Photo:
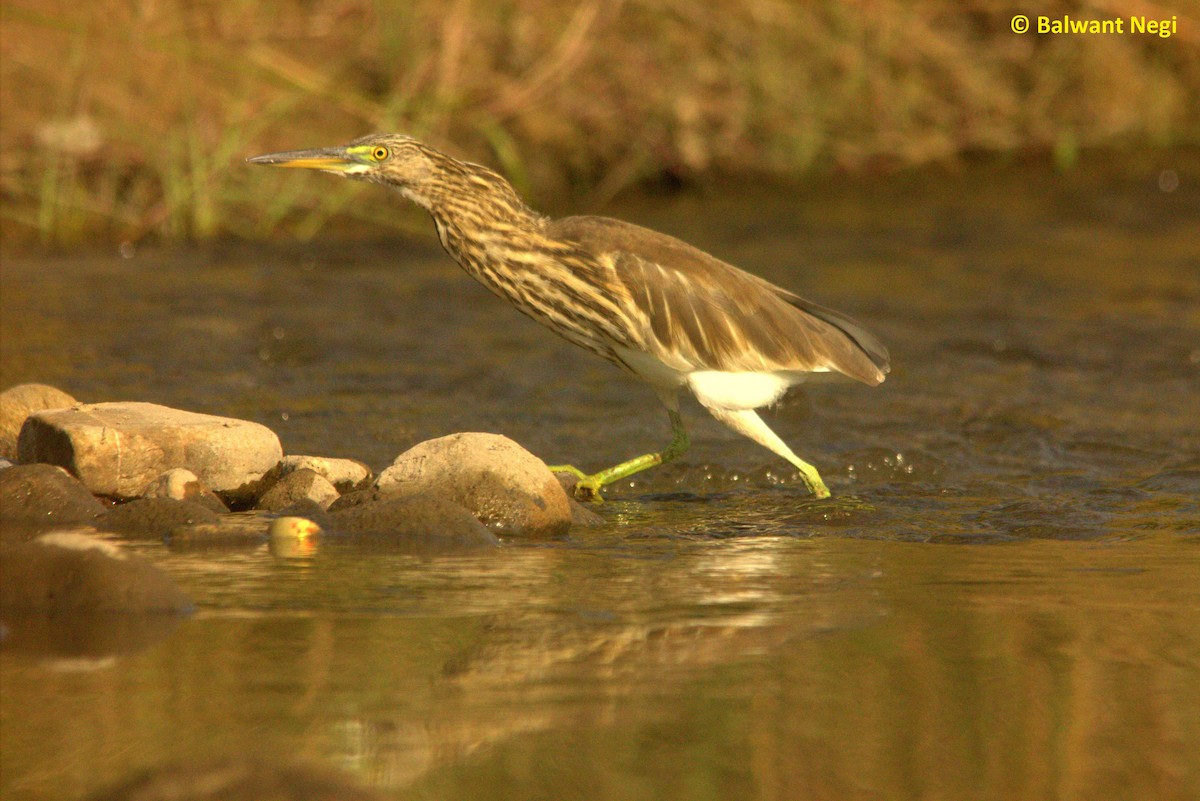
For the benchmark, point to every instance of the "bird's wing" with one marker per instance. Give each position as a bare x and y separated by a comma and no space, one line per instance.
700,313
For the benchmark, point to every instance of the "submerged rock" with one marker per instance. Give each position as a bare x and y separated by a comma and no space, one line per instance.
417,522
238,780
117,449
154,518
297,486
237,530
504,486
42,496
17,403
75,571
183,485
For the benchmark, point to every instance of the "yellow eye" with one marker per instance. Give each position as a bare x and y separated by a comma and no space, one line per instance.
380,153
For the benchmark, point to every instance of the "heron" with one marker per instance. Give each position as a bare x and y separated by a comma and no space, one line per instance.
660,309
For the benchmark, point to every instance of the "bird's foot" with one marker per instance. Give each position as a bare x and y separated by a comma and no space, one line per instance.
586,488
812,480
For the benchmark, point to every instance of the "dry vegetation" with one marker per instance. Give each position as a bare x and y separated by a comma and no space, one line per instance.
125,119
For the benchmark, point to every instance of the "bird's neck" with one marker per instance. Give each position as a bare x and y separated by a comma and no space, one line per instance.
478,216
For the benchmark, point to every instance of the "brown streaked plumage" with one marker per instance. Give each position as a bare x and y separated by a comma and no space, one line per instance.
657,307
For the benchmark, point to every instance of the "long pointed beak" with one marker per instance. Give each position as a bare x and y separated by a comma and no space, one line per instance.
330,159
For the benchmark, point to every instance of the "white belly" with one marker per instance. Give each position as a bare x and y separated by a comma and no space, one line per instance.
715,389
719,390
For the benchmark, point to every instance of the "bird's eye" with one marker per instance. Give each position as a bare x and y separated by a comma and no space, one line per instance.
379,153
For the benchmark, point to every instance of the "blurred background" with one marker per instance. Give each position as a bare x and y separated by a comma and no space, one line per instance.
126,120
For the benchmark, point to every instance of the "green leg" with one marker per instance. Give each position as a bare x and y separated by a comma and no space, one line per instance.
588,487
812,479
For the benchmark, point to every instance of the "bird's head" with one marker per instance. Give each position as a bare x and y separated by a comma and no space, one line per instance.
393,159
423,175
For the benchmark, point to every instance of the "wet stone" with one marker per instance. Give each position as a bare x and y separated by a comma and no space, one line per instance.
117,449
73,570
417,522
154,518
344,474
183,485
17,403
238,530
43,496
300,485
506,487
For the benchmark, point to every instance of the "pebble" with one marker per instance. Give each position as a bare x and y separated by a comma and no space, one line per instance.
183,485
346,475
297,486
17,403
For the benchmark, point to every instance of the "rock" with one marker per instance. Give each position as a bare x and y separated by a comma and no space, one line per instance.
580,514
301,485
74,571
306,508
345,474
417,522
44,496
154,517
583,516
357,498
506,487
227,531
183,485
239,779
17,403
117,449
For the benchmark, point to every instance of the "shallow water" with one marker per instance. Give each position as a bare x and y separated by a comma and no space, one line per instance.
1002,602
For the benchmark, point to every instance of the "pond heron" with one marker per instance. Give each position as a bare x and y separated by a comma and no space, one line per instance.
668,313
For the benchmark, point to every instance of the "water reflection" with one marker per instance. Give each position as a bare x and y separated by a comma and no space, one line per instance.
783,668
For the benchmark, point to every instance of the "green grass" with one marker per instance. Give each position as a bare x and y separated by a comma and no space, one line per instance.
125,121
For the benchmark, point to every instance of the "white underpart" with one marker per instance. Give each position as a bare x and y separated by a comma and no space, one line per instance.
729,397
720,390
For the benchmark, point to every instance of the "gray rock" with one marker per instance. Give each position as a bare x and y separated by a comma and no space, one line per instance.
154,518
17,403
506,487
74,571
415,522
42,496
345,474
183,485
299,485
117,449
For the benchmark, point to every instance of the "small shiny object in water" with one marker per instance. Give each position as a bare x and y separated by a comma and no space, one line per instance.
293,537
293,527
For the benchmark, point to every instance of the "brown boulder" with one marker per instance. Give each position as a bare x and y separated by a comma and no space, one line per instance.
506,487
